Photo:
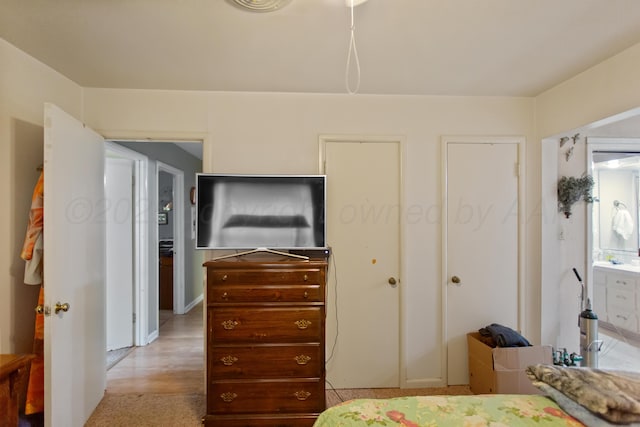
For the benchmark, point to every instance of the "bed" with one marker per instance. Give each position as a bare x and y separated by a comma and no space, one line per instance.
571,397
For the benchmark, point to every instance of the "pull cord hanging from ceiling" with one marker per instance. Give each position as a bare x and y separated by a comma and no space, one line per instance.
353,52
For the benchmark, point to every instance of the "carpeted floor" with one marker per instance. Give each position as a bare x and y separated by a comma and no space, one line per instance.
143,410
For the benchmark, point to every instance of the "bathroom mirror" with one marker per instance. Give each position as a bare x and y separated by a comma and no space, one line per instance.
615,210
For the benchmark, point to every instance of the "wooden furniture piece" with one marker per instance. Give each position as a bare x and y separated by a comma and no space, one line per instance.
265,342
14,374
165,294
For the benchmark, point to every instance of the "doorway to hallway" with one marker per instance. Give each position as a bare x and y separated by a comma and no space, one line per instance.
180,165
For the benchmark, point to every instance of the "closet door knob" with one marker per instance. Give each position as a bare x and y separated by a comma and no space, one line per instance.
455,279
61,307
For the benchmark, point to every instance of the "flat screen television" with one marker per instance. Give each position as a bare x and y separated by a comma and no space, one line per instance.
260,211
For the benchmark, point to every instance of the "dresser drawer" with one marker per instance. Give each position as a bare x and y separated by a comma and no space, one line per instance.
264,293
264,325
311,276
265,361
622,299
237,397
624,319
621,281
260,420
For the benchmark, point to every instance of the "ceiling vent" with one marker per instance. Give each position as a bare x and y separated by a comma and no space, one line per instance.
261,5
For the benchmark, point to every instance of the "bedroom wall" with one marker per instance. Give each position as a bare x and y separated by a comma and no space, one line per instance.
25,85
249,132
607,89
233,124
605,93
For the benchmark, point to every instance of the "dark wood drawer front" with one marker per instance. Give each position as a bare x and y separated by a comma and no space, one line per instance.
301,420
265,294
242,325
278,277
266,396
268,361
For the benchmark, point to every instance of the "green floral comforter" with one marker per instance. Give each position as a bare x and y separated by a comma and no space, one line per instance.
441,411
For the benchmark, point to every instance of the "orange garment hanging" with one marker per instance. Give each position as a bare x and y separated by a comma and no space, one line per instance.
35,389
36,220
32,254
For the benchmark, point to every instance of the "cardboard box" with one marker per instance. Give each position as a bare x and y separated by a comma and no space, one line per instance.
501,370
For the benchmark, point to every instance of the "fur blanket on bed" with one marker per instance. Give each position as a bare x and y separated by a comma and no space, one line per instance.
614,395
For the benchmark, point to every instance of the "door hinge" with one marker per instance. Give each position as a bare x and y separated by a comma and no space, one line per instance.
517,169
134,317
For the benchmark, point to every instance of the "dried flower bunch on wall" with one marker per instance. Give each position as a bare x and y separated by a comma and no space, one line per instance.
571,190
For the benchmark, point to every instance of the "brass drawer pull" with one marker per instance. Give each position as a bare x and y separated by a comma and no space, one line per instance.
229,360
306,295
302,395
302,359
306,278
229,324
224,278
225,296
228,397
302,323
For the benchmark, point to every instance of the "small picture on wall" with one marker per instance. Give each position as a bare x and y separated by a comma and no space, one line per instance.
162,218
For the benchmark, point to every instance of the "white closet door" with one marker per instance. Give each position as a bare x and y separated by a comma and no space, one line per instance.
363,227
481,236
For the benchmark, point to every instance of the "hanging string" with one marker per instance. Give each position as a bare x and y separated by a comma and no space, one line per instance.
353,52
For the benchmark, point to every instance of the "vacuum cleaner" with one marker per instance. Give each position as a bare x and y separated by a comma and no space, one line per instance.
588,323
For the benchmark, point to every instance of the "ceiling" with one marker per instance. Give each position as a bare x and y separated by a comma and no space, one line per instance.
432,47
193,148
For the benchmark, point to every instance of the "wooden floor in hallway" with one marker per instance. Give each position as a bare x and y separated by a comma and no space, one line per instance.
173,363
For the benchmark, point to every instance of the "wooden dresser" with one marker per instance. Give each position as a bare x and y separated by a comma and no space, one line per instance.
165,293
265,342
14,374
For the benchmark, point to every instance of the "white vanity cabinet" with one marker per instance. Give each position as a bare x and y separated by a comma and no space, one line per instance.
599,301
616,295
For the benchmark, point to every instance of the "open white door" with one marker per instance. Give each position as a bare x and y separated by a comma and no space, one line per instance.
74,269
119,255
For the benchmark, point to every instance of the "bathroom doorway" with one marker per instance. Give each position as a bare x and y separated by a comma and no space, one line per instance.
614,243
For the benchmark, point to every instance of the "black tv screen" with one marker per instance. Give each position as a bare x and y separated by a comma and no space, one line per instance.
260,211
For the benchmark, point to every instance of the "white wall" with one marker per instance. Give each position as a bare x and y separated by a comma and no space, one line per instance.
278,133
25,84
609,88
580,104
249,132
